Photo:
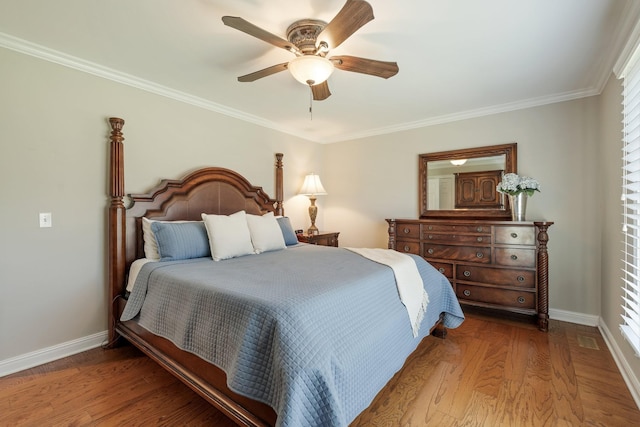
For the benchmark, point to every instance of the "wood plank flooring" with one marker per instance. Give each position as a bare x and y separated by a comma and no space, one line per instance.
488,372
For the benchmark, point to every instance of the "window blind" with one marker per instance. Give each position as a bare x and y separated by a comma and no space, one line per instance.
630,326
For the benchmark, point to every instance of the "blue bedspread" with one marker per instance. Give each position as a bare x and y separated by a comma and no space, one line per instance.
315,332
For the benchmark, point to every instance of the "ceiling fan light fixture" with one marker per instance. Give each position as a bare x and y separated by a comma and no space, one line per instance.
310,69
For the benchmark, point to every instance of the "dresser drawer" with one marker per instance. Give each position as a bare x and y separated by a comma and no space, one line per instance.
506,298
444,268
456,238
451,228
500,265
515,235
516,257
411,231
460,253
408,247
497,276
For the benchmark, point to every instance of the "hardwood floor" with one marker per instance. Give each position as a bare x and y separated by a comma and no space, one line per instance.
488,372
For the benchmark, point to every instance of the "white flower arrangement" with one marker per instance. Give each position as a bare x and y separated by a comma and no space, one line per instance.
514,184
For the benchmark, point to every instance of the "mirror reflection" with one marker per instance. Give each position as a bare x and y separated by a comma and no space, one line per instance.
462,183
465,183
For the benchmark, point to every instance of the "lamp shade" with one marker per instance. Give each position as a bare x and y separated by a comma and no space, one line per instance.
312,186
310,69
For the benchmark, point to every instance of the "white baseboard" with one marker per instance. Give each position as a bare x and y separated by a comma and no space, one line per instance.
590,320
49,354
627,373
573,317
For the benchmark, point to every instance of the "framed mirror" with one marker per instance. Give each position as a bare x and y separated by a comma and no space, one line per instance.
462,183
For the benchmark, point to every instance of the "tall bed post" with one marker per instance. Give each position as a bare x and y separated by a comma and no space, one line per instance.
279,185
116,221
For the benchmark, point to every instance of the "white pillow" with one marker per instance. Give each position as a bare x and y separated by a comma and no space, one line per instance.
266,234
149,239
229,235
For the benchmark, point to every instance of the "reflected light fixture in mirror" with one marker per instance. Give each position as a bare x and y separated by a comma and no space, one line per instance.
310,69
312,187
458,162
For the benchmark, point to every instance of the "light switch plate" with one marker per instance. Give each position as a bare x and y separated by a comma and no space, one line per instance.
45,220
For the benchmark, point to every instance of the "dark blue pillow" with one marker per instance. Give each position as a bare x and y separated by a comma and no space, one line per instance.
181,240
287,231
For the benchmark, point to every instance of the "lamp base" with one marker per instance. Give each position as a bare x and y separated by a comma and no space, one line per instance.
313,211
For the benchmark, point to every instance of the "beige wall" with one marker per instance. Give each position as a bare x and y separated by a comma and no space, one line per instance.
54,148
54,157
372,179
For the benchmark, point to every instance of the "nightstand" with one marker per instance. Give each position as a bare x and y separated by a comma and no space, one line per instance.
324,238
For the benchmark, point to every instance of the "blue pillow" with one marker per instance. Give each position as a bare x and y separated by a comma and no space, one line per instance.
181,240
287,231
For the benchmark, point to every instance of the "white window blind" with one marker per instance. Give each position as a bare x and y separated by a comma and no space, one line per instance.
630,326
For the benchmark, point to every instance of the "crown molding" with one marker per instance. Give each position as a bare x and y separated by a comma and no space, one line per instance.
38,51
32,49
628,38
469,114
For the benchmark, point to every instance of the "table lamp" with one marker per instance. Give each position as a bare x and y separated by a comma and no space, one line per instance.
312,187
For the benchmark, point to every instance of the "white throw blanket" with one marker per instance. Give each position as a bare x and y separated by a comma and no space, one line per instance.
408,281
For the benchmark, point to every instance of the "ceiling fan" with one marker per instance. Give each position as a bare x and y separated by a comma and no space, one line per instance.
310,40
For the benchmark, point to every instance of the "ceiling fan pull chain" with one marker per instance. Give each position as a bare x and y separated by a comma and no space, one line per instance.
310,103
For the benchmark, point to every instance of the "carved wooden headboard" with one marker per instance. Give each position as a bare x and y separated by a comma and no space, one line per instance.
211,190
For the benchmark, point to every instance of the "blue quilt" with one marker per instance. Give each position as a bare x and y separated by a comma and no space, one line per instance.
315,332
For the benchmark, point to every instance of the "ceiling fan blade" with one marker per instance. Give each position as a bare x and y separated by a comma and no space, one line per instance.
255,31
365,66
353,15
320,91
263,73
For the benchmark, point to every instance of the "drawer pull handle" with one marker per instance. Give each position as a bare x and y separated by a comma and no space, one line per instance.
514,235
430,250
431,227
521,300
406,248
466,292
479,229
520,278
514,257
467,273
406,230
479,239
430,236
441,270
479,255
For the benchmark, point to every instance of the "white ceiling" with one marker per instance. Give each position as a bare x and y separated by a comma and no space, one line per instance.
457,58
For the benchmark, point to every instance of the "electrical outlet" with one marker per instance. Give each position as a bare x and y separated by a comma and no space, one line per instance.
45,220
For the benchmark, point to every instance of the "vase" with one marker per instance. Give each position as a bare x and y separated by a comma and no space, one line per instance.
518,206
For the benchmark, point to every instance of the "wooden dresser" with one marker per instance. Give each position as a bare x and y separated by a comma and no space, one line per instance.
500,265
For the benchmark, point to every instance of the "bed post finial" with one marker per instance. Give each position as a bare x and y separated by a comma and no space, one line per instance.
279,185
117,166
116,222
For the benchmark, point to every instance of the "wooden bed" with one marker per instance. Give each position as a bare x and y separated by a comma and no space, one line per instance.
213,190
